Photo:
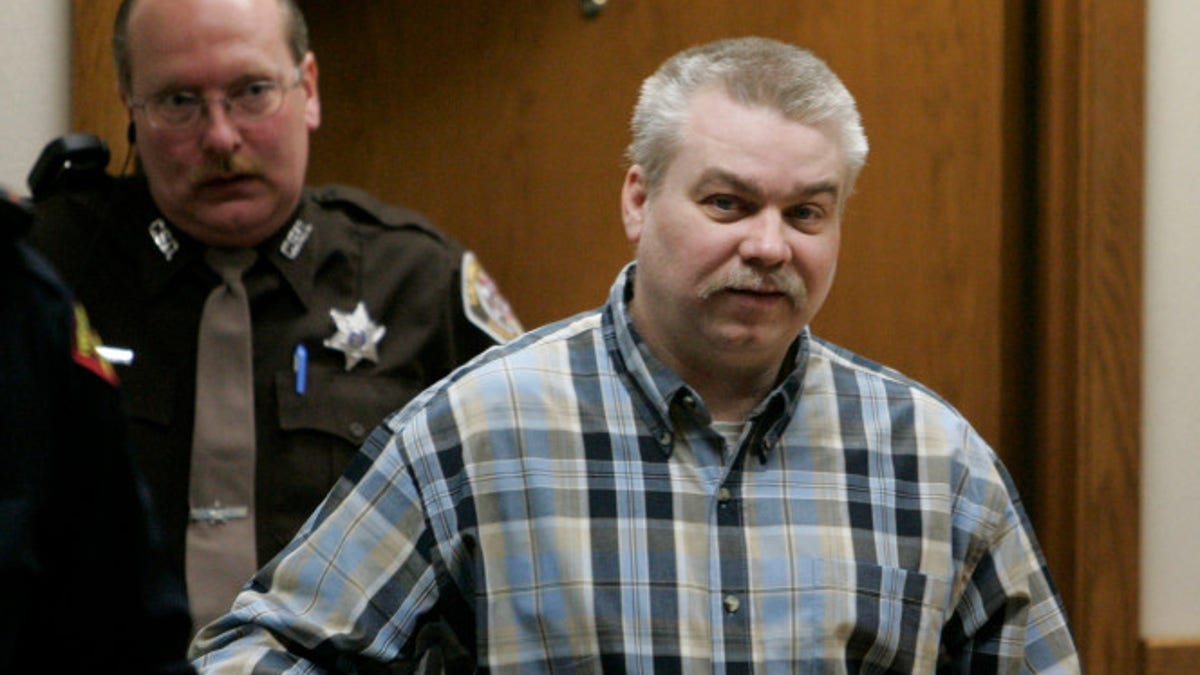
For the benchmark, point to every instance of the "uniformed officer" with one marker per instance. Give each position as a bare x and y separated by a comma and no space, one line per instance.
355,305
77,538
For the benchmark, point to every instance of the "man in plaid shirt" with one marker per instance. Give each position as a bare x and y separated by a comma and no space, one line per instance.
686,479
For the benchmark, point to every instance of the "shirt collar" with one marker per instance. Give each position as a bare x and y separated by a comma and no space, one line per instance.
297,251
660,387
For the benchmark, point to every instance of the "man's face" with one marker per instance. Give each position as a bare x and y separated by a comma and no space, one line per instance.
737,247
225,182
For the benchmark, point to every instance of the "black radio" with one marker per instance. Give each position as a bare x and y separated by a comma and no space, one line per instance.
67,162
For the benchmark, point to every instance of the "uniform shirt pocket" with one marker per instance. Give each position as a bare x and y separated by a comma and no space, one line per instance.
341,404
319,433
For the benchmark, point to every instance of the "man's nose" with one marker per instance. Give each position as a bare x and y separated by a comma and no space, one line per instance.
220,129
764,241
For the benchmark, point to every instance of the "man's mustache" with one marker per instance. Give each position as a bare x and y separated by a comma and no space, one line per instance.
226,168
783,281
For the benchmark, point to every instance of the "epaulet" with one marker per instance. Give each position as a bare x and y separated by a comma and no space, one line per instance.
362,206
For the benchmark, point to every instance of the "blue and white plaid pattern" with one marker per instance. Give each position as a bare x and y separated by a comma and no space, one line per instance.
565,503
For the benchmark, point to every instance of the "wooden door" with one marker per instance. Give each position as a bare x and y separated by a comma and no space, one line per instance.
507,122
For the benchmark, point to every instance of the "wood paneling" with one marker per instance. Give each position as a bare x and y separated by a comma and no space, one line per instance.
1171,656
1089,318
95,107
992,249
508,126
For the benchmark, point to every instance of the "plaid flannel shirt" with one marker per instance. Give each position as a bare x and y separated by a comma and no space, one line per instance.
564,504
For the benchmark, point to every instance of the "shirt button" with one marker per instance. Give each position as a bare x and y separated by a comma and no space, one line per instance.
732,604
665,438
689,401
724,495
357,430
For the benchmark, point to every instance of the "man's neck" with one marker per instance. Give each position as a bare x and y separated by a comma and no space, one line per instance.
731,398
730,384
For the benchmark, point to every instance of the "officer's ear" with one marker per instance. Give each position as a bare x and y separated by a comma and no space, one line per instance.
130,128
312,97
130,138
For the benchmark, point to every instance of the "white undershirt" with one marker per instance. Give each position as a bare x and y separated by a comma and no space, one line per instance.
731,432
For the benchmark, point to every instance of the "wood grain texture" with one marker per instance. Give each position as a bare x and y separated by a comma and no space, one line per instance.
1170,656
508,127
992,249
95,106
1090,256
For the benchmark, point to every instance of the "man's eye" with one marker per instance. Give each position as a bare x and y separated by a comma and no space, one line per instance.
724,203
256,90
726,208
806,213
807,216
179,100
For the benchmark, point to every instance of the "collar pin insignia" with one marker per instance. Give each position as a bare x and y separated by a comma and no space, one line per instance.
166,242
296,238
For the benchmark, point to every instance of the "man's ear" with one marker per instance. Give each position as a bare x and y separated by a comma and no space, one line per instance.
634,196
312,98
130,129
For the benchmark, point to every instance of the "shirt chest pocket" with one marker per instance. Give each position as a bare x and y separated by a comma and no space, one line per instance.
884,619
338,404
320,430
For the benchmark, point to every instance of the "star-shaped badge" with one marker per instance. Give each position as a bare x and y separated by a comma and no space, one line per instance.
357,335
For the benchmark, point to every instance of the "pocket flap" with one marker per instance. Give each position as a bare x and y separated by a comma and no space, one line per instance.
339,403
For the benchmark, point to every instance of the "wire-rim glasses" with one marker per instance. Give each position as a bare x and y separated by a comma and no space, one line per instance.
249,103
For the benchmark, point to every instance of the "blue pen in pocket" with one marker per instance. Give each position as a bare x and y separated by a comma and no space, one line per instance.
300,367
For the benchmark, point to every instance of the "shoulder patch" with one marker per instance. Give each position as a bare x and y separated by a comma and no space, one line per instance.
84,351
484,305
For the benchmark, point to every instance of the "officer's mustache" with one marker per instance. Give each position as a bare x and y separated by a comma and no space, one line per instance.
225,168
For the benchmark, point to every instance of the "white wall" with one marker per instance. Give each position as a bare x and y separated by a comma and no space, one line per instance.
34,76
1171,362
34,72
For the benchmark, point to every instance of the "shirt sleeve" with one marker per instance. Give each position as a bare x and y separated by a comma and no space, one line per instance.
1009,617
355,586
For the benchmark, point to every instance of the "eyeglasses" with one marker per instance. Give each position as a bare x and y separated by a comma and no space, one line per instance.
250,103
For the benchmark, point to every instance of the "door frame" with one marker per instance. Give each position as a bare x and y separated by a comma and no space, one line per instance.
1090,76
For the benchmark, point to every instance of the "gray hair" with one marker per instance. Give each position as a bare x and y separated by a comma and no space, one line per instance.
295,31
753,71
